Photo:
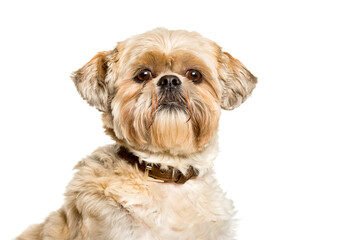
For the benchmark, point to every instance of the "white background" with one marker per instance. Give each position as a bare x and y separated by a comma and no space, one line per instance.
280,151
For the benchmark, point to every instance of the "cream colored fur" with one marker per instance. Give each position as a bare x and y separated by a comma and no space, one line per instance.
110,199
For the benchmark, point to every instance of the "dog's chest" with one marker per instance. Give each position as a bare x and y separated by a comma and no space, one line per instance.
195,210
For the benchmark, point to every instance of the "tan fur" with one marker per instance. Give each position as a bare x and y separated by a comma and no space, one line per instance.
111,199
90,81
237,82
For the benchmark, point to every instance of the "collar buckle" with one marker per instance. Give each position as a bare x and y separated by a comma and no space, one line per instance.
148,168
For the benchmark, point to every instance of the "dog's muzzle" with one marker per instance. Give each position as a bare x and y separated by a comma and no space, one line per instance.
171,96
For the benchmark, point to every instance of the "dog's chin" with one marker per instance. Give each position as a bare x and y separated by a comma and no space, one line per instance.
171,131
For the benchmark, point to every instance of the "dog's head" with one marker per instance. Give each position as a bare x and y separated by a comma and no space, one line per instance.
162,91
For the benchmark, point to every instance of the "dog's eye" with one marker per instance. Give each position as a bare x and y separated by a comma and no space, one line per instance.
144,75
194,75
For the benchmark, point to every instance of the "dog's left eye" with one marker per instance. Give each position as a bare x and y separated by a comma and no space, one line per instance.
194,75
144,75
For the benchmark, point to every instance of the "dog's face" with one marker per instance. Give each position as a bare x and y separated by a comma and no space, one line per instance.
162,91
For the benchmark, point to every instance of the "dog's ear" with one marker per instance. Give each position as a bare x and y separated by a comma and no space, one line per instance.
237,82
90,80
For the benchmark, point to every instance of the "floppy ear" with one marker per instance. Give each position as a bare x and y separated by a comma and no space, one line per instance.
237,82
90,81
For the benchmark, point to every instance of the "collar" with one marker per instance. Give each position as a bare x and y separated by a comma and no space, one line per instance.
154,171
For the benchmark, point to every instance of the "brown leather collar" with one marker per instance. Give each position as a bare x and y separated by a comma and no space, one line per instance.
154,171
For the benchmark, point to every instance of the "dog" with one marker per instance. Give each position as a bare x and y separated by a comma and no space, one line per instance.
161,95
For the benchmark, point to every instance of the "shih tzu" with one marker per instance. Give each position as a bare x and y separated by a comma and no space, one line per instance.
161,94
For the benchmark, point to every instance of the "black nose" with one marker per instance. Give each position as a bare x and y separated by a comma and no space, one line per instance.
169,82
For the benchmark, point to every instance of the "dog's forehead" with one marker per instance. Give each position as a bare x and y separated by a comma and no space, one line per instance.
162,48
177,60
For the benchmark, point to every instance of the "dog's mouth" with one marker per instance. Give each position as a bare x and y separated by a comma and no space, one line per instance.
170,101
171,105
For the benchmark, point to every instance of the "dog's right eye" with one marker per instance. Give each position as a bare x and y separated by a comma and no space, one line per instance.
144,75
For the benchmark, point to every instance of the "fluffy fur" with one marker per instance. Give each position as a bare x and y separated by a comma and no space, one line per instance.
111,199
